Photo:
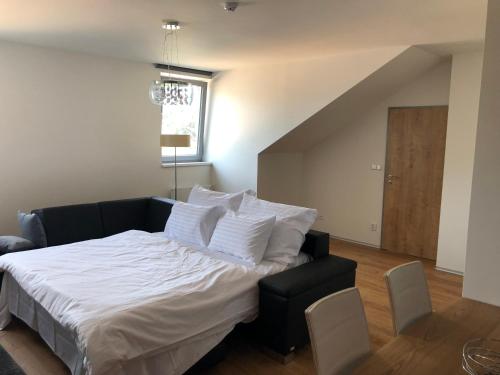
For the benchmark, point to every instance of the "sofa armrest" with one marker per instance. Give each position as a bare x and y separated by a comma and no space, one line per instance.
316,244
12,244
306,276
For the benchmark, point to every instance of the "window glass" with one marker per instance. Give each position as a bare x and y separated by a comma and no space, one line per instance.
185,119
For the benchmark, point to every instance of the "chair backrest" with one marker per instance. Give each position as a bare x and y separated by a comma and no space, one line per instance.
408,294
338,331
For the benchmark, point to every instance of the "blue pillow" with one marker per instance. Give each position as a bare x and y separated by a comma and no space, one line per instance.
10,244
32,228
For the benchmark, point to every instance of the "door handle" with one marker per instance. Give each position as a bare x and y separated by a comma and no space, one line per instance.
390,177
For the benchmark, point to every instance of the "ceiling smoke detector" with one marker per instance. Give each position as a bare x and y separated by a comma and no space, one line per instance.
230,6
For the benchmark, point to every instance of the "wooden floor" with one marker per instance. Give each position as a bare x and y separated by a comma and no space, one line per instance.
244,358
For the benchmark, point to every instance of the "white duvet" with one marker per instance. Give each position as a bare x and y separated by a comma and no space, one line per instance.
135,294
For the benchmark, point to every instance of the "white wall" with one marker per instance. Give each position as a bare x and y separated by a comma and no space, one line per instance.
252,107
77,128
281,177
338,178
482,268
459,159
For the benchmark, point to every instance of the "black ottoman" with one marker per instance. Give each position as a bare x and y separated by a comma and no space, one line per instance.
285,296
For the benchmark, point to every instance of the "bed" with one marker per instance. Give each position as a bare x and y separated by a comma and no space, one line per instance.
128,302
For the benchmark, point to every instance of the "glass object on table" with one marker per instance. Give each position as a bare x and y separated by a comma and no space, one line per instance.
481,357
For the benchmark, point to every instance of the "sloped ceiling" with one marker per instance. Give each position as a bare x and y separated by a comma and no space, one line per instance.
388,79
260,31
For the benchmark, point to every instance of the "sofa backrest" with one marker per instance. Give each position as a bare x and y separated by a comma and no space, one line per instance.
83,222
122,215
158,212
69,224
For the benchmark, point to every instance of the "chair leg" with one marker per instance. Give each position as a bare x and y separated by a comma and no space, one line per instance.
283,359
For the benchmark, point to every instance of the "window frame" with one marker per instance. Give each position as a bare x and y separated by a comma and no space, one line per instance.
201,131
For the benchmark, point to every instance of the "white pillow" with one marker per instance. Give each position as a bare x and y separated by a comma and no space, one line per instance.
204,197
292,224
242,236
191,223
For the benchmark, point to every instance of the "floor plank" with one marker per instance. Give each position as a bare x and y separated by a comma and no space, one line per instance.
35,357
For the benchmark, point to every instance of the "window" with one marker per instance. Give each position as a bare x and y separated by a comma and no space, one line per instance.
186,119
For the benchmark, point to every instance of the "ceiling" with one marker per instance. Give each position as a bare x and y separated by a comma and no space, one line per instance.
260,31
345,109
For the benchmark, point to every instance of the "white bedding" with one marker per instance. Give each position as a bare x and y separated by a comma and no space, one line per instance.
136,294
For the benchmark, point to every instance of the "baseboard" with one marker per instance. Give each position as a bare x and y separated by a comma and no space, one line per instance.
371,246
365,244
449,271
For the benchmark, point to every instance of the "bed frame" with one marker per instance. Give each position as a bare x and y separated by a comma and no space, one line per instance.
284,296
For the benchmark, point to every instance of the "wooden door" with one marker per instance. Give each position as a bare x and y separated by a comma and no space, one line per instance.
416,139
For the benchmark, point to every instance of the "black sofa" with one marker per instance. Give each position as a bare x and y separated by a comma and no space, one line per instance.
283,297
68,224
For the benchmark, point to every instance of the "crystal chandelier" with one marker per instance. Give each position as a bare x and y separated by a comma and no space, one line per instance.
170,91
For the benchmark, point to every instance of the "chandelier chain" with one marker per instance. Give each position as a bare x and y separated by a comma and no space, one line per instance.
165,48
177,48
171,91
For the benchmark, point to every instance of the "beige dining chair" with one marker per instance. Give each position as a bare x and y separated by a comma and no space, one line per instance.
408,294
339,332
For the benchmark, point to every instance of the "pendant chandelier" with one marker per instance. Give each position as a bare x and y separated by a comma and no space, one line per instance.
169,90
